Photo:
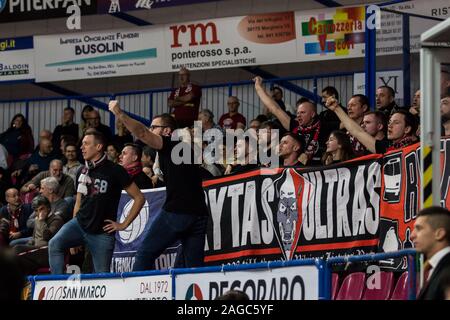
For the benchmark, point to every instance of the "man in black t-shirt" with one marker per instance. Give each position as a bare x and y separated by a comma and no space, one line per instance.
99,186
184,214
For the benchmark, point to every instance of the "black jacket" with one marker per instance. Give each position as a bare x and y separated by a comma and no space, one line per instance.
433,289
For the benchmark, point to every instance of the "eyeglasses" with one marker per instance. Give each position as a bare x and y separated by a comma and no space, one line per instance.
156,126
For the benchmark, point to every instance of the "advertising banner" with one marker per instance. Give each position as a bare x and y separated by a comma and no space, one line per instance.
99,54
111,6
157,287
16,59
393,79
287,283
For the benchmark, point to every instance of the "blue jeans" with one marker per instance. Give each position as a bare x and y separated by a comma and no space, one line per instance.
20,241
71,235
164,231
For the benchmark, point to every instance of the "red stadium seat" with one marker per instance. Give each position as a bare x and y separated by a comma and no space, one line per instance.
352,287
401,288
385,289
334,285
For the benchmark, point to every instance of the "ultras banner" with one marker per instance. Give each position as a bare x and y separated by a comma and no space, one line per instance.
361,206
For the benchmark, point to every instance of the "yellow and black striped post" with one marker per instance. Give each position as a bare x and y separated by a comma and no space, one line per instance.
427,177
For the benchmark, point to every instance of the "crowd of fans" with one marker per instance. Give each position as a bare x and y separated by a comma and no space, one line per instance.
38,183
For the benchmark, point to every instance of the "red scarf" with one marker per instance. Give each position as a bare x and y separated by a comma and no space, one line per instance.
405,141
134,169
311,136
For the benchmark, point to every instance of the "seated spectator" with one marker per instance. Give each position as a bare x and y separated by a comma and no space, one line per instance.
67,127
34,255
72,164
123,136
233,119
113,152
184,101
338,149
94,122
50,189
18,138
38,162
210,132
385,99
307,123
67,185
401,130
445,113
84,125
291,147
15,215
244,159
130,159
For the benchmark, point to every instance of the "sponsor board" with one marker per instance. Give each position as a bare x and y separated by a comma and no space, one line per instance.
16,59
287,283
99,54
393,79
133,288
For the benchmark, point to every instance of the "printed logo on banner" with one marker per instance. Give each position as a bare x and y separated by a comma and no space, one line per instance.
392,171
135,229
290,187
194,292
389,242
144,4
337,35
2,4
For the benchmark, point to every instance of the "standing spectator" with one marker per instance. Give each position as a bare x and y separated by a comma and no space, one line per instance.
357,106
16,215
100,184
375,124
401,130
445,114
431,237
307,123
148,159
233,119
328,116
184,102
130,160
113,153
34,255
18,138
291,147
445,79
339,148
72,164
5,184
385,99
415,108
184,214
67,128
66,184
255,124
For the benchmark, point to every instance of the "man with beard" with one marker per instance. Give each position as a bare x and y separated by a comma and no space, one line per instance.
445,113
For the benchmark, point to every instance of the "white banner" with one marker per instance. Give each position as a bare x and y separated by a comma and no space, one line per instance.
231,42
16,59
288,283
99,54
158,287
